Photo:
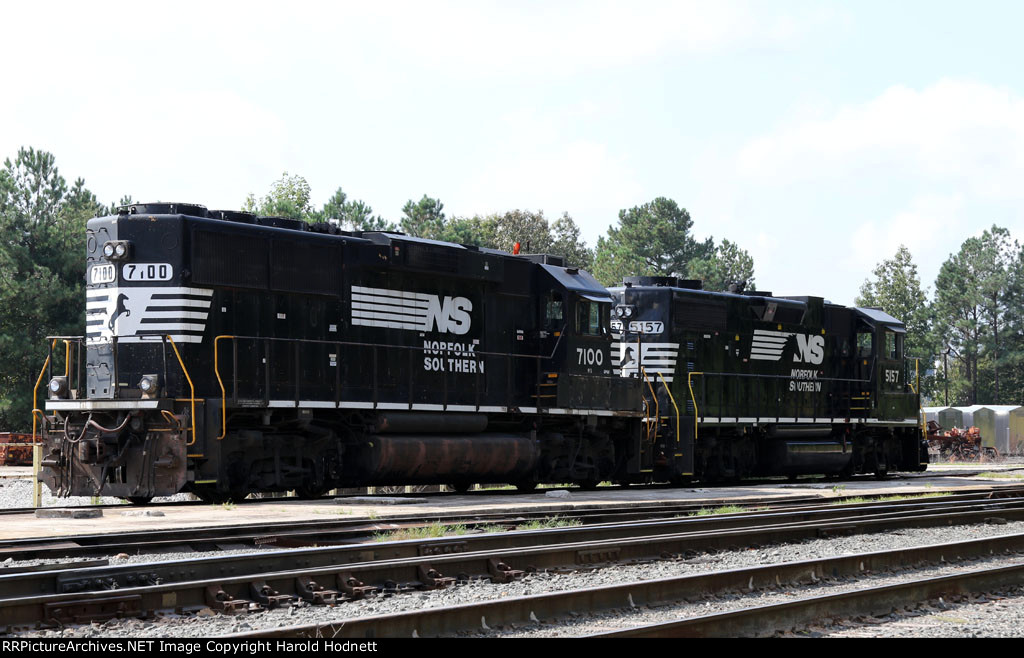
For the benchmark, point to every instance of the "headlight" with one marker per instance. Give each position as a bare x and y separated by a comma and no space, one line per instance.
58,387
149,385
117,249
619,311
628,311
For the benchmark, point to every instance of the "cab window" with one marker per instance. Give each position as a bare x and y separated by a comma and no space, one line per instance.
591,318
553,313
893,345
865,343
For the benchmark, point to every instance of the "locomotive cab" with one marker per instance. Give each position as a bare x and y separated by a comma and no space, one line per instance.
574,332
881,363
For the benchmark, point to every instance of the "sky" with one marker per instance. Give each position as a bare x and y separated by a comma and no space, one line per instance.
818,135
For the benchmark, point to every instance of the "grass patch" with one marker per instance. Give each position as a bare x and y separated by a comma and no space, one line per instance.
1001,475
724,509
885,499
490,529
550,522
435,529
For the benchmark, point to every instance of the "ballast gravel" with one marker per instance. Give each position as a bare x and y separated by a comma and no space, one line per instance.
207,623
988,614
17,492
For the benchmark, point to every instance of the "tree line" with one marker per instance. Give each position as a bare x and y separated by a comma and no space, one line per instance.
42,252
969,334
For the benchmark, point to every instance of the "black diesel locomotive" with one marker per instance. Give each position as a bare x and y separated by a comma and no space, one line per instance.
753,384
227,353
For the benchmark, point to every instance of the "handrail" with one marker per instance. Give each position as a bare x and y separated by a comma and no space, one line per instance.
657,406
411,348
223,393
673,399
917,378
35,391
693,398
191,386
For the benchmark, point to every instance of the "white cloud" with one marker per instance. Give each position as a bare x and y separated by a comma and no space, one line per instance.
925,167
924,227
963,133
456,37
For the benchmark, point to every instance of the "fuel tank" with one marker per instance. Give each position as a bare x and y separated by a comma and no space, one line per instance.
418,459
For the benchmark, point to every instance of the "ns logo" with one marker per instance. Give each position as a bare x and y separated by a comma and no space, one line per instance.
769,345
411,311
450,315
809,349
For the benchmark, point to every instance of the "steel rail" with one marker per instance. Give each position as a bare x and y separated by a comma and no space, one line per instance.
292,534
767,620
526,611
240,581
318,533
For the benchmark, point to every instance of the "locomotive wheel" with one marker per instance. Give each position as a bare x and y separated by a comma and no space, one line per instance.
588,485
461,487
311,492
140,500
211,497
215,497
525,487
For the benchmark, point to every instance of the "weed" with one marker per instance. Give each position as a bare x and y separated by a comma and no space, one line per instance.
435,529
1001,475
885,499
724,509
550,522
490,529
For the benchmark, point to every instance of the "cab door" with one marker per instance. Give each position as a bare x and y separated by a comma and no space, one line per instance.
890,378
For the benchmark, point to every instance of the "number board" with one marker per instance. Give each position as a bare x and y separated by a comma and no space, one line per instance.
640,327
147,272
105,273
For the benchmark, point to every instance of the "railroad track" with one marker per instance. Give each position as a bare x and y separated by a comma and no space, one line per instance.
341,531
334,574
508,492
532,611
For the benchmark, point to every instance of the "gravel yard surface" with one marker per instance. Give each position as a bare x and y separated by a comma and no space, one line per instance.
587,624
15,492
207,623
992,614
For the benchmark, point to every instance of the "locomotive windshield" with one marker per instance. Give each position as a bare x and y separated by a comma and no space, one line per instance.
592,317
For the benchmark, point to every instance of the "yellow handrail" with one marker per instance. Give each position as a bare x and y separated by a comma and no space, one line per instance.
223,393
193,388
67,359
673,399
35,391
657,407
696,414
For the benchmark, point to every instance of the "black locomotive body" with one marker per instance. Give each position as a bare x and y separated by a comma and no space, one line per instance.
751,384
227,354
